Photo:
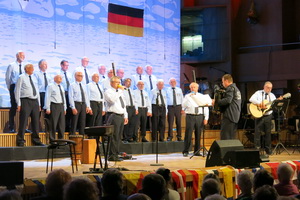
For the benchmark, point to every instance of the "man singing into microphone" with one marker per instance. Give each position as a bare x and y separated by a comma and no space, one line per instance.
196,117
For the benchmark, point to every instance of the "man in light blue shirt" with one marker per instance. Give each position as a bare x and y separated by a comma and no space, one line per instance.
137,77
55,106
84,69
150,79
96,96
79,103
158,98
174,101
14,70
27,97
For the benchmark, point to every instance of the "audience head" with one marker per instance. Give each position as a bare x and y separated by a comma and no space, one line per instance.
139,196
265,192
112,182
298,180
245,181
154,185
64,65
227,80
165,173
210,186
213,176
20,55
262,177
10,195
55,182
102,69
285,173
80,189
215,197
85,61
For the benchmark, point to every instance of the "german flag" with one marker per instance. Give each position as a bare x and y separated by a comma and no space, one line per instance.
125,20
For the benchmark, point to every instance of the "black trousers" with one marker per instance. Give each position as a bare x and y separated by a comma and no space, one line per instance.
13,108
130,127
228,129
193,122
174,112
263,126
79,119
42,99
141,122
29,108
68,113
96,118
57,120
115,140
158,121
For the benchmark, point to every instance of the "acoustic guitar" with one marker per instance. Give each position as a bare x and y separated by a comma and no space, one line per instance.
257,112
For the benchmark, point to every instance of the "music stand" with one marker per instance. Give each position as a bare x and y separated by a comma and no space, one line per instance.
97,132
203,148
280,106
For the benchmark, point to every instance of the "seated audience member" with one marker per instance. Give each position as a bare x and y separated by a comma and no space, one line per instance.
55,182
154,185
171,194
10,195
215,197
262,177
285,187
298,185
210,186
265,192
81,189
139,196
213,176
112,185
245,183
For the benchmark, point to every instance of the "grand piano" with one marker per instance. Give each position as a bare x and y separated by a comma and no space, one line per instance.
97,132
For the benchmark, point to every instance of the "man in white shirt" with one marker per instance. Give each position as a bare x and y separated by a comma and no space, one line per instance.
84,69
120,74
150,79
106,84
137,77
102,72
196,118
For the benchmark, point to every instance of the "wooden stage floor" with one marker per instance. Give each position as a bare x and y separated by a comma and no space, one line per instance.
36,169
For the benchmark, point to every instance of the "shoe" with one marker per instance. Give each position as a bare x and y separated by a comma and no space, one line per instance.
39,144
130,140
27,131
161,140
179,139
125,142
115,158
169,139
185,154
12,131
20,144
144,140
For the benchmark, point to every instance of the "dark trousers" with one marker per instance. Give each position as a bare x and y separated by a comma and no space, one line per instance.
68,113
158,121
115,140
228,129
96,118
130,127
174,112
42,99
141,122
29,107
13,108
78,119
193,122
57,120
263,126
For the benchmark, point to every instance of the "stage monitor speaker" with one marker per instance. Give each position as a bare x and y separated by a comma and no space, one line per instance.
218,150
243,158
12,173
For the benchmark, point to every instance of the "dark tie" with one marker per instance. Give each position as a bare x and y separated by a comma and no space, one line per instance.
130,97
196,110
103,77
46,81
121,100
161,98
174,97
140,77
142,96
266,95
82,94
151,86
67,80
86,76
32,85
99,90
20,68
61,94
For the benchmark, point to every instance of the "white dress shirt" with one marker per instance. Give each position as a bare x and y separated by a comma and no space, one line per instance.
82,69
147,83
138,100
75,94
178,96
156,97
53,95
64,81
13,72
93,92
41,80
127,98
135,78
259,96
113,102
189,105
24,88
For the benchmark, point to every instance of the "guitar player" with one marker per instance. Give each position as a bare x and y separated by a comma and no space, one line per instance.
264,123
